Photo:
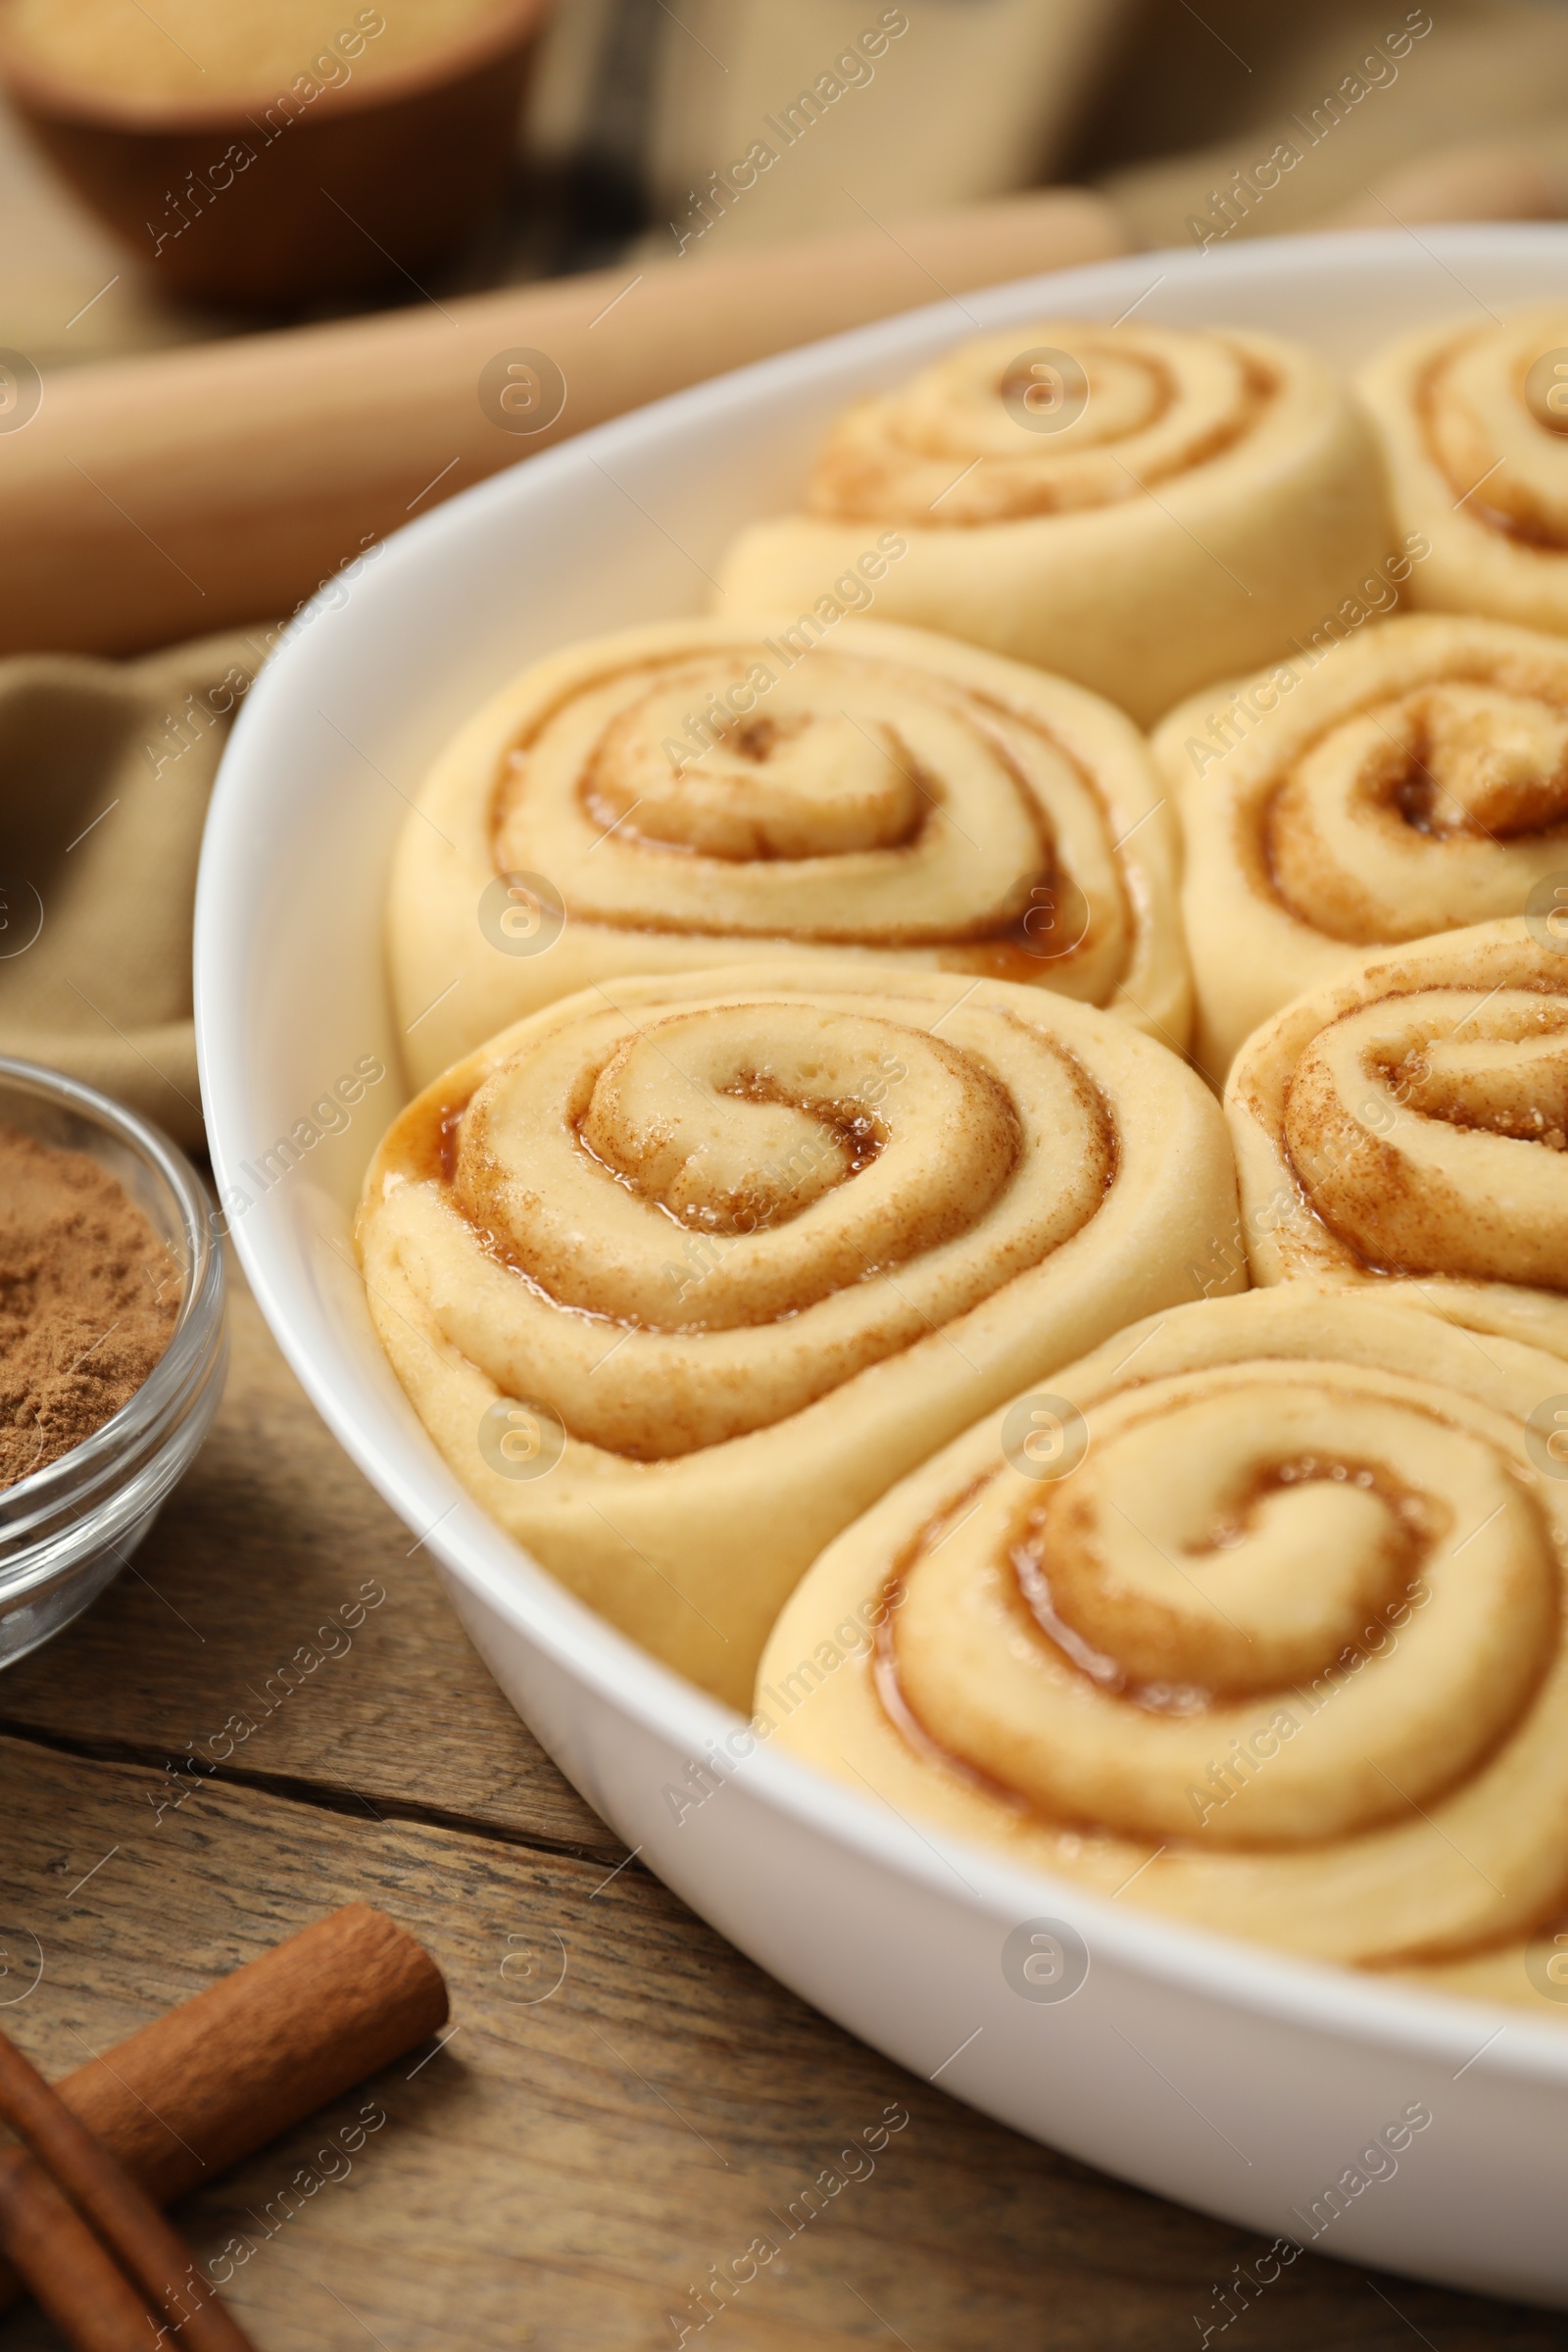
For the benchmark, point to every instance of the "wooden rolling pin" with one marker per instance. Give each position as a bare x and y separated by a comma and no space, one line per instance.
158,498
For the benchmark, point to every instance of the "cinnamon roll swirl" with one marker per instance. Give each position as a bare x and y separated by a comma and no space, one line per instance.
1406,1128
1474,424
676,1253
1413,781
1138,507
1274,1643
689,795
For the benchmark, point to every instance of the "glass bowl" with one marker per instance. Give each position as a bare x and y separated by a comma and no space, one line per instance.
68,1530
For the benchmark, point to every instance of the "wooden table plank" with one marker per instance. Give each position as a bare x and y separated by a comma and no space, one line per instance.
273,1531
567,2168
566,2172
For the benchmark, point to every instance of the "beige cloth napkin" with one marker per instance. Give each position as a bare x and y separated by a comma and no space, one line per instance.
1358,92
106,768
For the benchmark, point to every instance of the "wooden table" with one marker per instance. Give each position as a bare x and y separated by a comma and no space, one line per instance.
565,2170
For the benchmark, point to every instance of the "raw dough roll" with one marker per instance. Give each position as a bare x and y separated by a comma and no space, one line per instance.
1474,424
689,795
680,1274
1139,508
1259,1616
1414,780
1407,1127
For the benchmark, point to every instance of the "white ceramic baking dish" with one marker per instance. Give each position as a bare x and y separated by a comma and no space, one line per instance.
1239,2081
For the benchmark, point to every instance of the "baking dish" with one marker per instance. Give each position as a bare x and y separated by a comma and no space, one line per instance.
1242,2082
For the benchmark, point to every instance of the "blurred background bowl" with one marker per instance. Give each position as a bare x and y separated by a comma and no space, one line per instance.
352,178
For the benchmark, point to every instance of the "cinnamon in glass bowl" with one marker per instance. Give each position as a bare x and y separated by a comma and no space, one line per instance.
112,1347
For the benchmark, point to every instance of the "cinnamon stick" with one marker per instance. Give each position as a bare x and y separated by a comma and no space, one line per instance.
224,2072
118,2233
87,2296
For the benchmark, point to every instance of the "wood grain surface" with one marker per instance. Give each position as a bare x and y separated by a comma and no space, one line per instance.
624,2101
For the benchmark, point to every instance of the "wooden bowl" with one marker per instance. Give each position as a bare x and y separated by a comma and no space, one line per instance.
353,187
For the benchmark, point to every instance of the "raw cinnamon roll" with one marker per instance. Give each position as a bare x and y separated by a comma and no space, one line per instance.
689,795
680,1274
1474,424
1407,1127
1258,1619
1413,780
1139,508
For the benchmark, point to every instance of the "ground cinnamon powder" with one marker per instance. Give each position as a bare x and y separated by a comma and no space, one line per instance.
88,1298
